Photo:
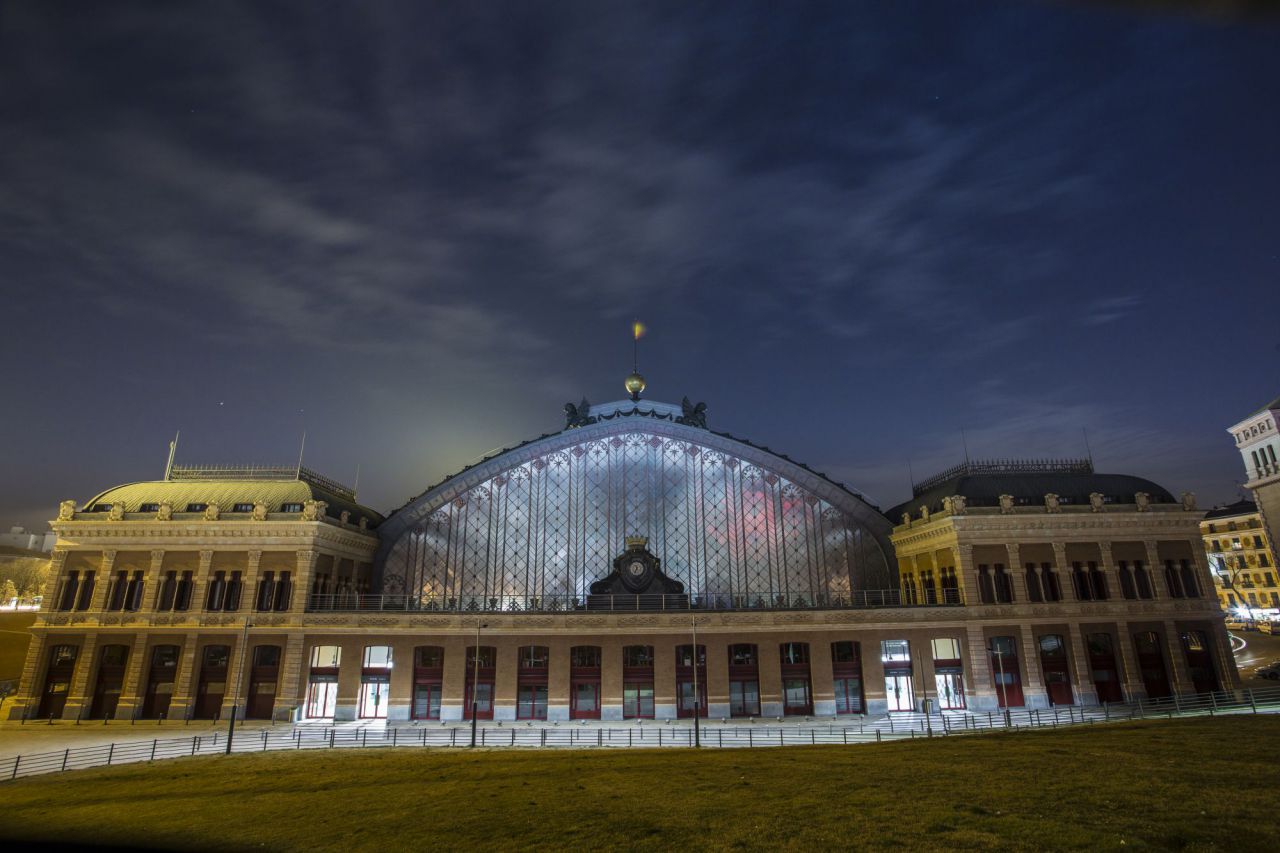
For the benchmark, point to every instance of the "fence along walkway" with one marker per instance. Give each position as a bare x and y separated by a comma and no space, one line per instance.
654,734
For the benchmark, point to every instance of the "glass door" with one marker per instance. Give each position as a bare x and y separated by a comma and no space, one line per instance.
897,690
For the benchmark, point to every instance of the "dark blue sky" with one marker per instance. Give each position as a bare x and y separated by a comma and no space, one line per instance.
415,230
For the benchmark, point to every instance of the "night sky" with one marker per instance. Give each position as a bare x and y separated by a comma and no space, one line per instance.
416,230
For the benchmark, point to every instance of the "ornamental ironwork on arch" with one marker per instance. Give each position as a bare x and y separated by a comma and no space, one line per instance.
548,524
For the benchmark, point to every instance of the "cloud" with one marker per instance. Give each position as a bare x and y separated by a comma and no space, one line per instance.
1103,311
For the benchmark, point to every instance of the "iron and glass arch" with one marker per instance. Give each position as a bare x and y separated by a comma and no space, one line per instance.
731,521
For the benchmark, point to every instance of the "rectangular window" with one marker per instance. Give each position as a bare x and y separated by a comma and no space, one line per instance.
744,698
848,695
637,701
242,508
895,650
946,648
531,702
377,657
326,656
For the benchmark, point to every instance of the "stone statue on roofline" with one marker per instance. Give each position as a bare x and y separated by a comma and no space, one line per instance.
1052,503
1188,501
691,415
259,511
212,512
117,512
1096,500
164,512
66,510
313,510
1006,504
579,415
1143,500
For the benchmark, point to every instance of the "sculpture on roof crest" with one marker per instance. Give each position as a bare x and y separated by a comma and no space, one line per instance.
694,416
579,415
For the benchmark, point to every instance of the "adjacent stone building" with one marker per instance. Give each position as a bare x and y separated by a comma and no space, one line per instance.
1242,559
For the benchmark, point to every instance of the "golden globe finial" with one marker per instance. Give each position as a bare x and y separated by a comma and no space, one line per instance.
634,385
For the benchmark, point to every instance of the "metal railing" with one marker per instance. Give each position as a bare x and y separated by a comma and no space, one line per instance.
858,600
646,733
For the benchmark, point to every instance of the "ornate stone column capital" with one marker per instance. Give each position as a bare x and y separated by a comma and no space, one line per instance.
1059,554
157,560
1015,554
108,560
206,560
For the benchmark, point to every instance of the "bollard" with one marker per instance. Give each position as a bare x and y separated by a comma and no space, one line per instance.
65,754
111,750
16,760
153,749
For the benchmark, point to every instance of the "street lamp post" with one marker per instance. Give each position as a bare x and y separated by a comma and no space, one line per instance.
697,733
475,682
235,702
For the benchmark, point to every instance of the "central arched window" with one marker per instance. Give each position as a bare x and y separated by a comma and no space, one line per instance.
541,531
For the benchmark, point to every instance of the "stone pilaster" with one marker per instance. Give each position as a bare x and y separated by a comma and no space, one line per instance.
505,683
717,675
664,677
1017,574
28,688
1110,571
968,574
180,705
1034,692
201,583
131,692
1228,673
558,650
81,690
237,675
610,678
249,581
1062,569
302,579
1155,569
1204,578
102,582
57,570
1179,674
1086,692
347,705
978,676
292,692
821,677
1134,687
770,676
151,592
453,682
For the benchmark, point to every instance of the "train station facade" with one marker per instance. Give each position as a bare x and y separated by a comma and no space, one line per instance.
635,564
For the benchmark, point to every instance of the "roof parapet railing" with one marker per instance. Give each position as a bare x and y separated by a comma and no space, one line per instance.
1005,466
261,472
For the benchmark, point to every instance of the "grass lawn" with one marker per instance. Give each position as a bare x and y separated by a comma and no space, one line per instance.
13,642
1153,785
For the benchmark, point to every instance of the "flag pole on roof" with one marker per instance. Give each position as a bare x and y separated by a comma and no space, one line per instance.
301,450
173,448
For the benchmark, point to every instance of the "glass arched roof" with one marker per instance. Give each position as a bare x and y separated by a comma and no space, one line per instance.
546,519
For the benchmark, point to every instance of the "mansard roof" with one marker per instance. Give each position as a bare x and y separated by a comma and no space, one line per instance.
982,483
227,486
1240,507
